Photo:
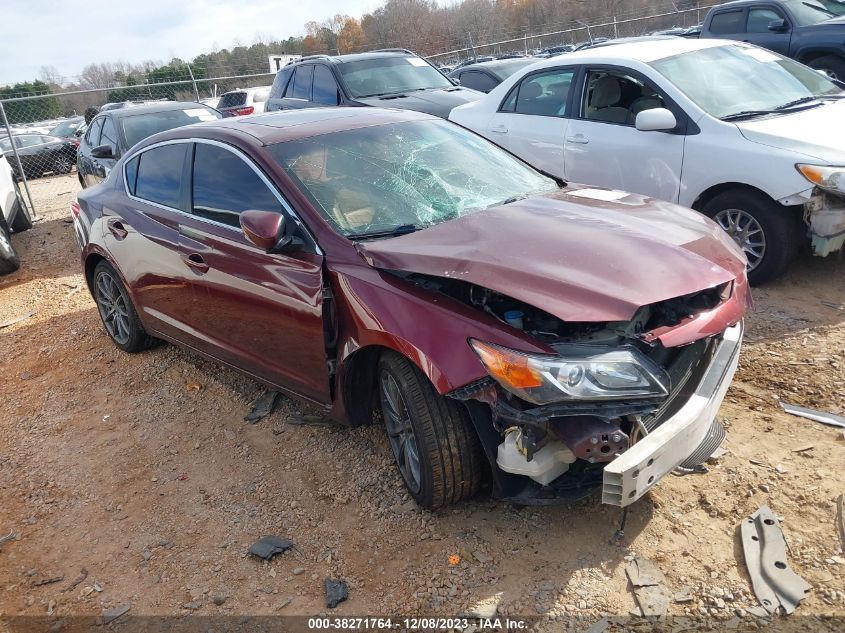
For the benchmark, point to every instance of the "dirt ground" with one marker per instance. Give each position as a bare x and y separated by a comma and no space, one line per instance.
140,470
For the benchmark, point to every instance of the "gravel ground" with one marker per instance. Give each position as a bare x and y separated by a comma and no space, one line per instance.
140,470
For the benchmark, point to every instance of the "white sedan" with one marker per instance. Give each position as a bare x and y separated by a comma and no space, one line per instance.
750,138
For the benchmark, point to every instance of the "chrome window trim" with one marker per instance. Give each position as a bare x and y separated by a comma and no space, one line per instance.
243,157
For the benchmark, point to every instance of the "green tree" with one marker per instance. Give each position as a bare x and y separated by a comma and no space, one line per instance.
46,106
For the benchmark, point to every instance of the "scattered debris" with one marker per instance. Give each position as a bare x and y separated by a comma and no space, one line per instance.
454,559
336,592
83,574
193,386
268,546
51,607
649,586
599,627
18,319
182,477
11,536
218,599
840,521
262,407
835,306
316,420
817,416
764,547
802,449
113,613
682,596
48,581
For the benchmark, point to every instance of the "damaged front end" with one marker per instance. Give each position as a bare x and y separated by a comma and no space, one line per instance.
824,214
616,404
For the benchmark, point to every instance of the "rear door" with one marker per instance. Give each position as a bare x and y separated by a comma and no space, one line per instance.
532,119
261,312
298,92
757,28
142,235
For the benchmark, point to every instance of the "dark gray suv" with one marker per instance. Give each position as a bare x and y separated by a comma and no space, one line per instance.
392,78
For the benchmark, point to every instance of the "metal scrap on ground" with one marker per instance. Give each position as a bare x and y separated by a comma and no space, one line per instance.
336,592
764,547
268,546
653,597
830,419
262,407
840,522
18,319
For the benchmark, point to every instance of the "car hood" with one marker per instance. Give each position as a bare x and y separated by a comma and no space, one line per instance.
816,132
578,258
438,102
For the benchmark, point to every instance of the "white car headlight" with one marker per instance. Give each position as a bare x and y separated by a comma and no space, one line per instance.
824,176
580,372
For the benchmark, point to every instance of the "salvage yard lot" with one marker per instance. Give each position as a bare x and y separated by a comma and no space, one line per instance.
141,470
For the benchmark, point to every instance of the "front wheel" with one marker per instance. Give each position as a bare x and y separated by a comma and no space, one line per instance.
767,232
434,443
22,221
62,165
830,65
9,260
117,312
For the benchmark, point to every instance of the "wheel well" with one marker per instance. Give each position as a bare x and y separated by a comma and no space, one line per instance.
712,192
811,56
90,264
360,397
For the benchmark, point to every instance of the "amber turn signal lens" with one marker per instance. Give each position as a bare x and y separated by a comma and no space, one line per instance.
811,173
508,368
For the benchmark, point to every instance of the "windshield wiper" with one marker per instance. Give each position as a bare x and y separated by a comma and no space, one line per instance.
797,102
402,229
747,114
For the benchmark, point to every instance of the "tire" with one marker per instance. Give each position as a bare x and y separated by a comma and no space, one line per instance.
9,259
450,461
22,221
832,65
117,312
778,226
62,165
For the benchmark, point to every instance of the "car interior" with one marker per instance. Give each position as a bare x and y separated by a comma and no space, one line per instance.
618,98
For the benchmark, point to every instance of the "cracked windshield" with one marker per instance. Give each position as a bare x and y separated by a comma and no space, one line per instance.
397,178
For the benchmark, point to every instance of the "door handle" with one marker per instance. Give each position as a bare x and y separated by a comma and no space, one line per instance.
195,262
578,139
117,229
499,129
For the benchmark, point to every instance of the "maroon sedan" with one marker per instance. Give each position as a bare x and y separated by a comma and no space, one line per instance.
509,329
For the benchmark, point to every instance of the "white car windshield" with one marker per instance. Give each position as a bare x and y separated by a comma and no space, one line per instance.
406,176
728,81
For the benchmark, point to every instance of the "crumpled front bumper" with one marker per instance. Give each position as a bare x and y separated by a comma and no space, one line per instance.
634,472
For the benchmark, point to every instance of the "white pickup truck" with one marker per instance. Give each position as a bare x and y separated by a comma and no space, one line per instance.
14,217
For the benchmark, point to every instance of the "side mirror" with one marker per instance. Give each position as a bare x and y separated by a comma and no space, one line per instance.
655,120
102,151
266,229
455,82
778,26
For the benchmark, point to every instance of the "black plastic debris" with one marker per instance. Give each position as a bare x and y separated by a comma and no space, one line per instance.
112,614
262,407
336,592
268,546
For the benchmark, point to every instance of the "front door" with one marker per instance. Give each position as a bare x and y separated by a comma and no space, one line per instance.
261,312
757,29
604,148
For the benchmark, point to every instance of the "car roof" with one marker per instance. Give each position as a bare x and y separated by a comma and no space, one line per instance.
287,125
354,57
163,106
499,64
644,49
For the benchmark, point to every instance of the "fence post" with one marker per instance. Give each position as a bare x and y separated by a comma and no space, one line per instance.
615,31
18,159
193,83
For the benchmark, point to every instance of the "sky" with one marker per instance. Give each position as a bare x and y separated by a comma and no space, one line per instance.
69,34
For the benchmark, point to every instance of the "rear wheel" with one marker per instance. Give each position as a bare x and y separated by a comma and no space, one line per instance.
22,221
767,232
62,165
831,65
434,443
117,312
9,260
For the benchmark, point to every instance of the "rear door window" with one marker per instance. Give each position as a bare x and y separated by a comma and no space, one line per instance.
325,87
160,175
224,186
728,22
478,81
302,82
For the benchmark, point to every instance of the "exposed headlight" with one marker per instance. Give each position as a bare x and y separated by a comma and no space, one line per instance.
828,178
581,372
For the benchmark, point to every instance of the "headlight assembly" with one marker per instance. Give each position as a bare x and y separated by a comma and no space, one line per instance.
826,177
579,372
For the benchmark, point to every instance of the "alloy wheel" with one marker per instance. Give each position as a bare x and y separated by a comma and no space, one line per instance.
113,308
746,232
62,166
6,250
400,432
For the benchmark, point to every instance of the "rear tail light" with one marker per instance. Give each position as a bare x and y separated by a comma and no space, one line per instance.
243,111
75,209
